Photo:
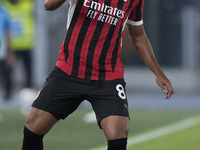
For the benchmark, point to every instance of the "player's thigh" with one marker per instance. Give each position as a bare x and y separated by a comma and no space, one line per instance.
57,99
115,127
110,104
39,121
60,97
109,99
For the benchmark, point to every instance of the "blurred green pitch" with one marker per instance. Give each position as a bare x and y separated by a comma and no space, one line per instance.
74,134
187,139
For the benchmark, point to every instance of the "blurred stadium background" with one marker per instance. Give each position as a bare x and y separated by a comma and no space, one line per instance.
173,27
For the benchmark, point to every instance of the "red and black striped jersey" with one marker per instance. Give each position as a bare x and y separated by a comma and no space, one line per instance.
92,45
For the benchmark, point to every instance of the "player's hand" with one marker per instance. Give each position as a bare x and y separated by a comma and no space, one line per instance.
166,86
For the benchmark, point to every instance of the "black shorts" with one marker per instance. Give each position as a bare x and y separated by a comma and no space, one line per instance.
62,94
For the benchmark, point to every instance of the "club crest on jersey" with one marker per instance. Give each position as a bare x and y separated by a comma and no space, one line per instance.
103,12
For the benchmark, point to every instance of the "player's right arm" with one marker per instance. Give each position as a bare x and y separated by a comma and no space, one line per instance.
53,4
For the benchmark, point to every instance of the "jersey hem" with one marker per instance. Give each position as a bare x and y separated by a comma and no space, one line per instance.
59,72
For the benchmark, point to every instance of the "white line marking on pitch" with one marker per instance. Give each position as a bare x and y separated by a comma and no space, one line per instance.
178,126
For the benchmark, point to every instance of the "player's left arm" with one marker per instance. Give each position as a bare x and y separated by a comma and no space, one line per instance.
10,58
144,50
10,54
53,4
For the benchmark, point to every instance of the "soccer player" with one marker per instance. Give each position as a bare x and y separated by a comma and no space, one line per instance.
89,67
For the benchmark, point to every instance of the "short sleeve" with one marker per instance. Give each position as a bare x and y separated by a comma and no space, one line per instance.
136,16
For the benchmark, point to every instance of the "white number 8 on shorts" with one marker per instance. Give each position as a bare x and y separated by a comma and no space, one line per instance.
121,92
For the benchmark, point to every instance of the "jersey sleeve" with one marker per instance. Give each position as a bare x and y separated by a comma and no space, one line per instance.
135,18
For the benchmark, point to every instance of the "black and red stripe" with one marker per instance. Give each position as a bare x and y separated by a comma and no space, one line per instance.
91,49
